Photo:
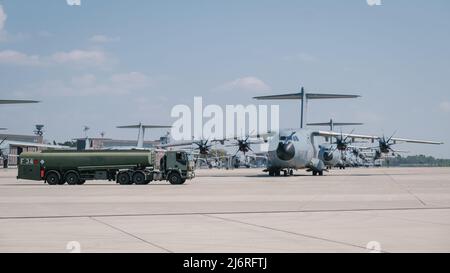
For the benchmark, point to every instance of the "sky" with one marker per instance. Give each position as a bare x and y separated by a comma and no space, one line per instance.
110,63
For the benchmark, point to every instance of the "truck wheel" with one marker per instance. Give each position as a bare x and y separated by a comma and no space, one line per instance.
175,179
53,178
123,179
81,182
139,178
72,178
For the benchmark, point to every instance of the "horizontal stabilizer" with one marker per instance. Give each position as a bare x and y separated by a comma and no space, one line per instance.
311,96
17,101
335,124
144,126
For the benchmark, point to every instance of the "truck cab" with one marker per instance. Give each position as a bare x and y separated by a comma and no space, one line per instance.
177,166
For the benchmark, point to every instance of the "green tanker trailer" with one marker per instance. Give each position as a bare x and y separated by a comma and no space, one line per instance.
124,167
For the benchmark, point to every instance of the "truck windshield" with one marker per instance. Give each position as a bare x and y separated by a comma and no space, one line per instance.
181,157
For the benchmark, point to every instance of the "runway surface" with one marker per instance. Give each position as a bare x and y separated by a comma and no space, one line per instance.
357,210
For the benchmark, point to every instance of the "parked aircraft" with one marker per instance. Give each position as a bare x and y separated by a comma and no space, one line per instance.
293,149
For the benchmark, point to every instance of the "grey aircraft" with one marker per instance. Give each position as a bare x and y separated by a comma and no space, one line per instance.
334,154
293,149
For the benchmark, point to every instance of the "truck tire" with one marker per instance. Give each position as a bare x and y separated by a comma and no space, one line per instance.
139,178
81,182
124,179
53,178
175,178
72,178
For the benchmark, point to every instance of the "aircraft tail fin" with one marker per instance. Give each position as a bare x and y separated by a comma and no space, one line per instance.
141,134
304,97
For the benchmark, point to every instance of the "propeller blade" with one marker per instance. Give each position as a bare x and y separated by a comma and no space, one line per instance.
389,140
350,134
3,140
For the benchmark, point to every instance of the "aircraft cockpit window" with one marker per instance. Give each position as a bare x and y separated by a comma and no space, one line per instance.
289,138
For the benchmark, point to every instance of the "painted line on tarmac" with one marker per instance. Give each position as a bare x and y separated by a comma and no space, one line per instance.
288,232
217,213
130,234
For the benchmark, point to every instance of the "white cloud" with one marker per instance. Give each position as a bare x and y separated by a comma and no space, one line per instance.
91,85
84,80
3,18
101,39
132,80
445,106
75,57
73,2
13,57
83,57
250,83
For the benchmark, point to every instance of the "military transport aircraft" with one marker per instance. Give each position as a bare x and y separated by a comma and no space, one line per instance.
293,149
334,154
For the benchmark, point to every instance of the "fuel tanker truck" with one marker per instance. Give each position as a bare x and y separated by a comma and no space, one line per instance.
124,167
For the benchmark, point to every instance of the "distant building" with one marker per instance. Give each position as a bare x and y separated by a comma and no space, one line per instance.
12,148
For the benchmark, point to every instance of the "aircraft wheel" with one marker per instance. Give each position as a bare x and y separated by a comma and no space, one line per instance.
314,173
53,178
139,178
291,172
285,173
175,179
321,173
72,178
124,179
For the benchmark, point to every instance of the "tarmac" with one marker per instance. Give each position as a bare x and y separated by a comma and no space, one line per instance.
354,210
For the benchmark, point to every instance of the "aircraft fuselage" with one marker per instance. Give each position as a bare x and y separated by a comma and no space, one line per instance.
292,150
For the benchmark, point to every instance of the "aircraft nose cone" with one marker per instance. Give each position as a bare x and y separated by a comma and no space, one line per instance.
286,151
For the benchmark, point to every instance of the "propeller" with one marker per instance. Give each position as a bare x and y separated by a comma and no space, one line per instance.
203,146
342,143
385,145
244,145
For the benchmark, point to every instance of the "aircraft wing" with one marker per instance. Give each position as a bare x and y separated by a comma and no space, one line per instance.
257,135
374,138
17,101
38,145
176,144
